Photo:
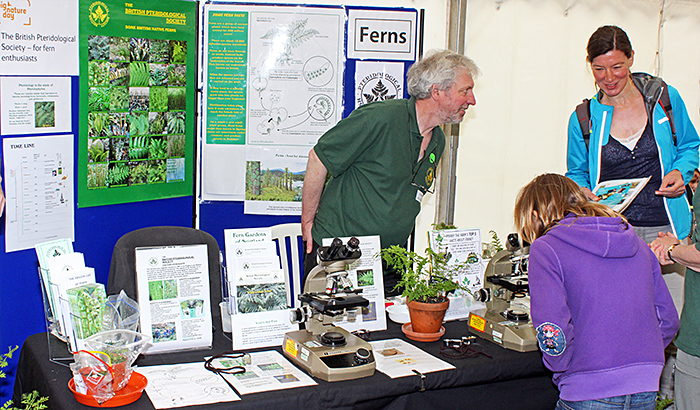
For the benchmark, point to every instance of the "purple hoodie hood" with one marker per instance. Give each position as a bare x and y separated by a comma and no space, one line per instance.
596,235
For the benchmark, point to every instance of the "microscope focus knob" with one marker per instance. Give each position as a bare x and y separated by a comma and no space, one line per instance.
482,295
362,356
297,316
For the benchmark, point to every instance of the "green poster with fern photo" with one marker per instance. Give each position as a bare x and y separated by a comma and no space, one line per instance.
137,96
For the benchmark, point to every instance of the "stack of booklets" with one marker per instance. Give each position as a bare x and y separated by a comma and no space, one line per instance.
257,289
256,280
75,301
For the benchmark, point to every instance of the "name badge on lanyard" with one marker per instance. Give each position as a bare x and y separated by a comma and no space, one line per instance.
419,195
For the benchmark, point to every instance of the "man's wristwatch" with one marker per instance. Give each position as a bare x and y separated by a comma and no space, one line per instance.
668,252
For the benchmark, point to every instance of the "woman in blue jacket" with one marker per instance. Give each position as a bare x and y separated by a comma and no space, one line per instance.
631,137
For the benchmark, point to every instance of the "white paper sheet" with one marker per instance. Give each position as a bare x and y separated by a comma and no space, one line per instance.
175,298
291,90
35,105
398,358
187,384
40,37
262,329
39,188
465,246
268,371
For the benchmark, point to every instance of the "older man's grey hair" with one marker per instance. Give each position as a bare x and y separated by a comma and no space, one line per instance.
439,68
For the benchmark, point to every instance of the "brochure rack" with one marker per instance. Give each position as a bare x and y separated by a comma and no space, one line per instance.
54,338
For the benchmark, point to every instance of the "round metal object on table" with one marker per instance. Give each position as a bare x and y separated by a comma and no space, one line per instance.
332,339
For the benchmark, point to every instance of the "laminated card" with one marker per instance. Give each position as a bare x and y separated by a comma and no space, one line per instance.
174,297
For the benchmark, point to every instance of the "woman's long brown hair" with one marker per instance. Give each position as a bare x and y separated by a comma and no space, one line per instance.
548,199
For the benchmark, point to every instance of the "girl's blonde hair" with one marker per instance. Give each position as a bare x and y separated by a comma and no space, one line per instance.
548,199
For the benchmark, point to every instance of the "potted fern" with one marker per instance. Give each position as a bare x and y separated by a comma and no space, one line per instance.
425,283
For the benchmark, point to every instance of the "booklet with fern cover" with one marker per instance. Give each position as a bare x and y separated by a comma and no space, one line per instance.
619,193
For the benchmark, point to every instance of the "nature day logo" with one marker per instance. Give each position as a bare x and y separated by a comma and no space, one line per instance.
9,12
99,14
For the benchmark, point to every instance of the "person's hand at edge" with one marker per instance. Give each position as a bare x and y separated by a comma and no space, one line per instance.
660,247
590,195
672,185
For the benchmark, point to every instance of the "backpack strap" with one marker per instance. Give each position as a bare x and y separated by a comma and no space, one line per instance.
665,101
583,113
653,89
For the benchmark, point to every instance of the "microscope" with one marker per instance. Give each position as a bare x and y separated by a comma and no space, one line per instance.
506,320
323,349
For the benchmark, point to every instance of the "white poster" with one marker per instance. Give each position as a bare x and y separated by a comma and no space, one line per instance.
174,297
274,180
288,93
295,69
39,187
465,246
378,81
382,34
35,105
39,37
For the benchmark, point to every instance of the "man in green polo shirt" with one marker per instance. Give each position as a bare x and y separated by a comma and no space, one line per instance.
383,158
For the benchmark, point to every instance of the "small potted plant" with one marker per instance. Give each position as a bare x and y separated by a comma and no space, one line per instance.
425,283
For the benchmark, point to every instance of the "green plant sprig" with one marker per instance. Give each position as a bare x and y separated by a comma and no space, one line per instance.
31,401
424,278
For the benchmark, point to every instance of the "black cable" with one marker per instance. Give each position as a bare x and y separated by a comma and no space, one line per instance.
209,363
461,352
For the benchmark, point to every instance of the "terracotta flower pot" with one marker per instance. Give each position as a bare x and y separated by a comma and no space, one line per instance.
427,317
122,374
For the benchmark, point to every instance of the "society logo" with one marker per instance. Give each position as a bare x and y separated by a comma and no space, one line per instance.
378,86
99,14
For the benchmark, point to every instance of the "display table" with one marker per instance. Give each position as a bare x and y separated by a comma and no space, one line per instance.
506,380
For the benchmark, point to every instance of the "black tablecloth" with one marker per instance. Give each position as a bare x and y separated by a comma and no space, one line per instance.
506,380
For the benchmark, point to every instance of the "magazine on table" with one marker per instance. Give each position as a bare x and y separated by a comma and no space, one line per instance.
619,193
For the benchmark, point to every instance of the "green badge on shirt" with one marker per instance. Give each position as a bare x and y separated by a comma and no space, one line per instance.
432,157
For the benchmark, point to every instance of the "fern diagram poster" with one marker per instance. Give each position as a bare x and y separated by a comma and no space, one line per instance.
137,97
275,72
273,77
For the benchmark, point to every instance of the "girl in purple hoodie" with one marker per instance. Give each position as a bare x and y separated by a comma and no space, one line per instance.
602,311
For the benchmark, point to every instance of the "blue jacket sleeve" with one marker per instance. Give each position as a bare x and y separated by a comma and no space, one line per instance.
686,160
577,154
548,307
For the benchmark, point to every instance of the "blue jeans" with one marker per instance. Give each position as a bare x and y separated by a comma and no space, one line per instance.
638,401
